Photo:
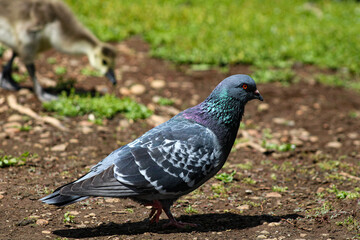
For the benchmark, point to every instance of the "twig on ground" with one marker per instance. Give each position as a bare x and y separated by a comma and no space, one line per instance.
345,174
11,99
305,229
250,143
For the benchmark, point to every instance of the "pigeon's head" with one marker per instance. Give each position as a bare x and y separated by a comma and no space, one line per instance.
240,87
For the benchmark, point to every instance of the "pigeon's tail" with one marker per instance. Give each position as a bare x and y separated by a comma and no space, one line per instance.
60,200
57,199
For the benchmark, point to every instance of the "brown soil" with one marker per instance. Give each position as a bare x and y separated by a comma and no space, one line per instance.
309,114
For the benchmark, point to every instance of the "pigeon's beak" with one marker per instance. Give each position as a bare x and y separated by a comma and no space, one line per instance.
257,95
111,76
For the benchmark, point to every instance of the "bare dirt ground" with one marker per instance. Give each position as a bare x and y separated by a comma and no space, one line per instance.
322,121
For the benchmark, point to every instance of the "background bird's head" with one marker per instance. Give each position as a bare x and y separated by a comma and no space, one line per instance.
103,59
239,87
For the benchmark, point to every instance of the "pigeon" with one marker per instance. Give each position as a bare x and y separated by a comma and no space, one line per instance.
172,159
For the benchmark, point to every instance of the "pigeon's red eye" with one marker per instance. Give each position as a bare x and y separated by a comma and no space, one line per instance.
245,86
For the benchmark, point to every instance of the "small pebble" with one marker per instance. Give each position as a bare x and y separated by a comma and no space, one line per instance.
261,237
137,89
334,145
273,194
157,84
273,224
42,222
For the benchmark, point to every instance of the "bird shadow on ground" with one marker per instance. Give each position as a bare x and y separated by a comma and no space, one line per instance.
206,223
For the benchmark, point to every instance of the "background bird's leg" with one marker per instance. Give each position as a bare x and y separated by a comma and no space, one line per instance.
40,93
6,80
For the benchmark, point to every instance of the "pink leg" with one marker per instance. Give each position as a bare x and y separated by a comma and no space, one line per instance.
156,207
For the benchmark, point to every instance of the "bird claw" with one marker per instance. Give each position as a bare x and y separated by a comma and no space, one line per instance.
6,82
46,97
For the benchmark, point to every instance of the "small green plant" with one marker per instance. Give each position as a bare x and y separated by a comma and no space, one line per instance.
51,60
267,133
285,147
354,114
201,67
63,85
101,106
8,160
248,180
189,209
344,194
19,78
25,128
219,190
225,177
245,166
130,210
68,218
279,189
328,165
87,71
60,70
321,211
273,176
165,101
351,224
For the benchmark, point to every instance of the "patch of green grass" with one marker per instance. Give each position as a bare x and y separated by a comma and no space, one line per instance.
225,177
258,32
68,218
339,80
59,70
285,147
189,209
332,165
219,190
325,208
248,180
101,106
354,114
25,128
88,71
63,85
51,60
267,133
19,78
279,189
273,176
245,166
130,210
8,160
351,224
344,194
284,76
165,101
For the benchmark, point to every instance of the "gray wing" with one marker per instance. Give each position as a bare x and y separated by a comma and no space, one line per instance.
171,159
